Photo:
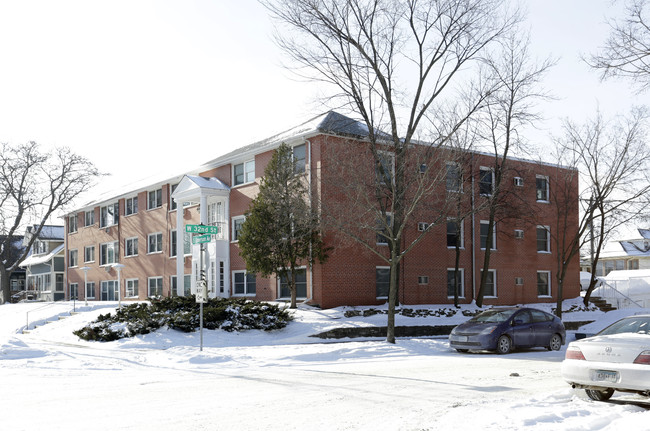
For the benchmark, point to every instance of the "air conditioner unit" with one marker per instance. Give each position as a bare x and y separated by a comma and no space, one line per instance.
519,182
519,234
519,281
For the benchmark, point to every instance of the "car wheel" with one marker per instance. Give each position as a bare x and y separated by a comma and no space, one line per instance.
462,350
597,395
555,343
504,345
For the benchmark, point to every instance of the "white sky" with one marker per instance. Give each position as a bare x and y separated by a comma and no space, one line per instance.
144,86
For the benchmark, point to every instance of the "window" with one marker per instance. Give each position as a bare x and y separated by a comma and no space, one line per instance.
543,239
300,158
108,253
72,224
131,206
454,178
485,228
89,253
154,243
423,279
237,223
486,181
74,254
74,290
633,264
454,233
89,217
490,284
460,282
383,226
519,233
39,247
131,246
187,243
244,173
109,215
187,285
39,282
244,283
131,288
542,188
543,283
90,290
155,286
519,281
519,182
109,290
172,202
301,285
382,281
155,199
422,226
385,167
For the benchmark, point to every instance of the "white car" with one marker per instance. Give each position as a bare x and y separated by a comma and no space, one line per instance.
615,359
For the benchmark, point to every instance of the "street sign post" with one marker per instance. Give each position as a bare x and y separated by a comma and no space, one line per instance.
200,228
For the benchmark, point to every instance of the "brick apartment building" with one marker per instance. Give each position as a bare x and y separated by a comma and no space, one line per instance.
133,245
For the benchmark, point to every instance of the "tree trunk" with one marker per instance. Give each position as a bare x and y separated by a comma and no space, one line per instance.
5,291
292,286
392,301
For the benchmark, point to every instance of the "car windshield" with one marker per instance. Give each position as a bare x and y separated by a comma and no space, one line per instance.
493,316
635,325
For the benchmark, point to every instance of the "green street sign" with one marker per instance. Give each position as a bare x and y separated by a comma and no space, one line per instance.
200,228
199,239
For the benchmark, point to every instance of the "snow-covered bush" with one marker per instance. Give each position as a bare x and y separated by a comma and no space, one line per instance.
182,313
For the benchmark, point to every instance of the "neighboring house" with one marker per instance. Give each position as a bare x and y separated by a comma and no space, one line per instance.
632,253
17,277
133,244
45,265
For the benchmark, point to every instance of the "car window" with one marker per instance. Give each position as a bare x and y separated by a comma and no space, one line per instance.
638,325
493,316
523,317
539,316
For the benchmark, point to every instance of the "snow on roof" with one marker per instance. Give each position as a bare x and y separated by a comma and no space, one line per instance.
626,274
41,258
208,183
49,232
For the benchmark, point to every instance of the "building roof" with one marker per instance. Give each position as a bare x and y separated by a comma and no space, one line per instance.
41,258
48,233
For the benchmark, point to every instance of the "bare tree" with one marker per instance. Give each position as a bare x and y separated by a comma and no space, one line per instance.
511,108
612,161
34,186
368,50
627,50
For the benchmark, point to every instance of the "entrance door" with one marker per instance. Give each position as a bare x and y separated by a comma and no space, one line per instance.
109,290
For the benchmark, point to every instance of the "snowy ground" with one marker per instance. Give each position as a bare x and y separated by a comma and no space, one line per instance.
284,380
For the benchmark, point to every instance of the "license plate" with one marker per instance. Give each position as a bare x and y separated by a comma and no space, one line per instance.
458,338
605,376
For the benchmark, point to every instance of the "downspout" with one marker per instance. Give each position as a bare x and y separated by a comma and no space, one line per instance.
473,231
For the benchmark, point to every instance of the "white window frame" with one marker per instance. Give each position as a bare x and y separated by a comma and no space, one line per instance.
73,290
480,176
157,201
233,237
131,289
89,218
246,292
126,246
134,208
519,182
548,287
461,294
494,278
90,290
115,216
380,225
548,239
156,279
248,172
519,233
388,292
423,280
299,168
547,191
73,262
187,243
116,252
159,242
73,224
86,248
461,224
459,188
494,235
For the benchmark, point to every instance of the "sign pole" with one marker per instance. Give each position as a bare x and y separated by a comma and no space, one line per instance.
202,287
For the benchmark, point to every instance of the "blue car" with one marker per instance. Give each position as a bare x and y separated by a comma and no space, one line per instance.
503,329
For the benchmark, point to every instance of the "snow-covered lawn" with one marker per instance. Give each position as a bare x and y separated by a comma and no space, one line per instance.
284,380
